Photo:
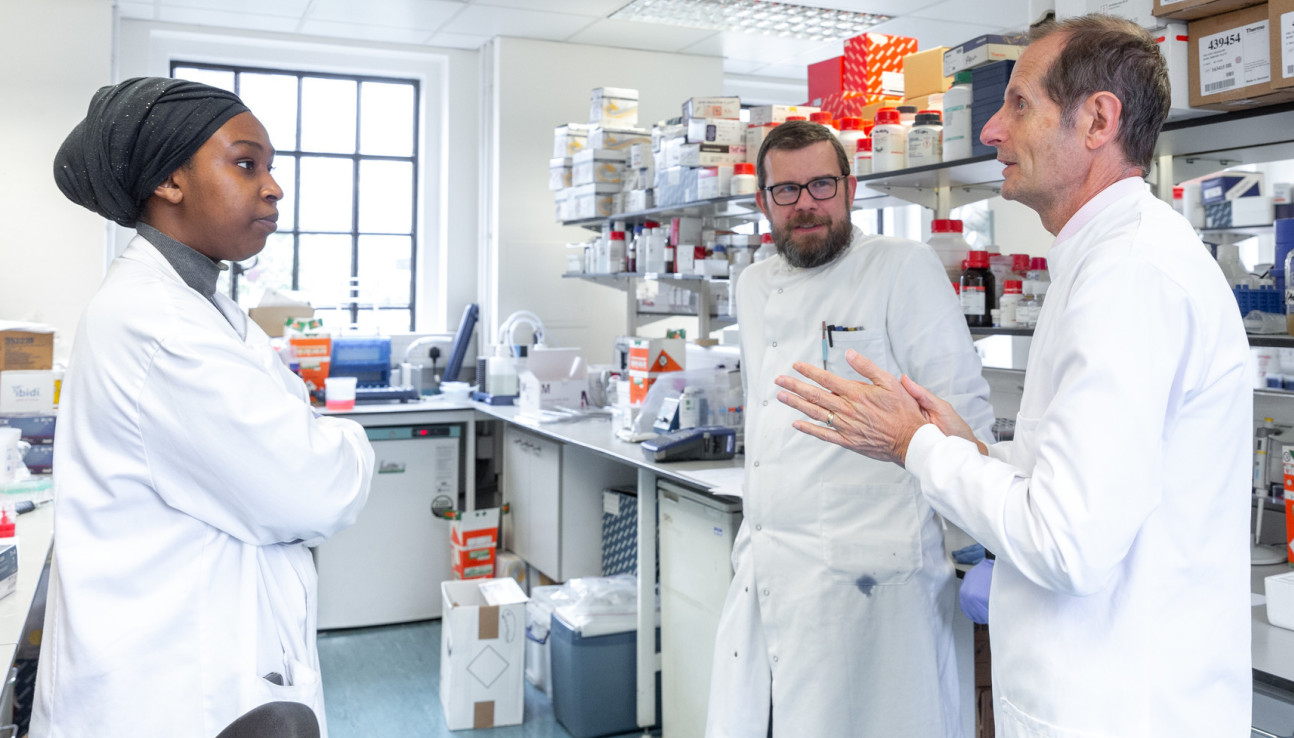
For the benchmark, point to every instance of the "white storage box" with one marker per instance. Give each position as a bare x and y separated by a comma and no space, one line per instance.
725,131
597,166
614,105
482,653
1279,589
27,392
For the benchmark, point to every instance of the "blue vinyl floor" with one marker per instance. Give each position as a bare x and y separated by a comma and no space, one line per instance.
385,681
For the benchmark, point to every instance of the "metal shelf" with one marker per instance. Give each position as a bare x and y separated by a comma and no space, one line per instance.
736,206
939,187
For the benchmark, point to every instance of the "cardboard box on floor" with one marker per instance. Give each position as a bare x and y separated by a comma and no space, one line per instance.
482,653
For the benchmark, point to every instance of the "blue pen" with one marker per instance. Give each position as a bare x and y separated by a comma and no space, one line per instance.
824,345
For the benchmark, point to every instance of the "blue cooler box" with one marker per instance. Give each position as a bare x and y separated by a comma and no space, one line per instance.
595,681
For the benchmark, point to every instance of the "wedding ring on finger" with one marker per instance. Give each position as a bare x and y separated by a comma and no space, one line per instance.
831,415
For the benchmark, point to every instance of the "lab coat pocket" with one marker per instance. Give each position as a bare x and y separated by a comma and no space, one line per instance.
870,343
872,532
301,684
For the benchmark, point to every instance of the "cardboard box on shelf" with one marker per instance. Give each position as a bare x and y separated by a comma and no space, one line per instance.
1280,14
983,50
826,77
1230,57
923,73
761,114
712,107
869,55
26,346
1140,12
616,106
272,318
1195,9
482,653
27,392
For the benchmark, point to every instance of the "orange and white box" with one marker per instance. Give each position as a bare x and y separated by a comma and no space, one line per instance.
473,563
657,355
475,529
869,55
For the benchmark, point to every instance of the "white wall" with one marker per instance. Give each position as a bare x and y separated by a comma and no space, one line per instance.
450,146
535,86
51,251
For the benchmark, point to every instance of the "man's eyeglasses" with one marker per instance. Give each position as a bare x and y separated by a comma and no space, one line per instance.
788,193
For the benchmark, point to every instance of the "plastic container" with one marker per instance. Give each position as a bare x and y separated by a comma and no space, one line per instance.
925,140
539,616
595,681
339,393
616,252
978,292
823,118
851,130
863,157
957,118
744,181
946,239
889,142
1011,294
766,248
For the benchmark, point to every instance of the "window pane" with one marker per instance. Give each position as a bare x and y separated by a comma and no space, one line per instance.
333,319
325,269
383,321
327,186
215,78
384,269
386,125
328,115
273,270
273,99
386,196
285,173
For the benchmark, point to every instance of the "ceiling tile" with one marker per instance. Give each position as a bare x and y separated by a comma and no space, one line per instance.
293,8
1005,14
932,32
743,66
753,46
364,32
425,15
136,11
485,20
226,19
635,35
596,8
884,7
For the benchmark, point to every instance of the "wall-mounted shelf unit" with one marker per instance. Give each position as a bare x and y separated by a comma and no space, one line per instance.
708,320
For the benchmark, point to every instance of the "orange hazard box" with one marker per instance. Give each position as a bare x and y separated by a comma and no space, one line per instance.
656,355
314,358
474,538
868,55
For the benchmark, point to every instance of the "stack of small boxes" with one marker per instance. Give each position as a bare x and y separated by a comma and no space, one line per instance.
696,154
589,169
474,539
867,75
29,389
988,86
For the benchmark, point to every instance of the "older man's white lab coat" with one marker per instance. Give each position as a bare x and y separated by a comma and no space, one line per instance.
1120,599
843,599
190,474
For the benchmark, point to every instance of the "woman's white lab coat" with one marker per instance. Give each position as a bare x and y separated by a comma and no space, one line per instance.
190,475
1120,598
842,594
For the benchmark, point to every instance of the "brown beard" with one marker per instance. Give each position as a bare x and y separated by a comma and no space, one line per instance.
816,254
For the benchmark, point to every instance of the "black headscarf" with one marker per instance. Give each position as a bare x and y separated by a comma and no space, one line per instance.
134,135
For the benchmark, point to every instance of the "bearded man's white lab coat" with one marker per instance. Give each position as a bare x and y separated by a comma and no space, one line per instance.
190,475
1119,603
843,598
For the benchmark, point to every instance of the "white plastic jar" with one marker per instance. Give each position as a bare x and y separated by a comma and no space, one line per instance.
851,130
957,118
863,157
889,142
743,179
925,140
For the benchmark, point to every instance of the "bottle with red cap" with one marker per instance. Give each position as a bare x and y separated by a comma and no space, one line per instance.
851,130
863,157
616,251
889,142
766,248
1011,295
744,181
947,241
790,118
823,118
978,291
1036,282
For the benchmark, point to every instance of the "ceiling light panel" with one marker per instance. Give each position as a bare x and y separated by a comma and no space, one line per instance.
752,16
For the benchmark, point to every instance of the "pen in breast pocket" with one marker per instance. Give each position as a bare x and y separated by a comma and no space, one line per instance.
825,336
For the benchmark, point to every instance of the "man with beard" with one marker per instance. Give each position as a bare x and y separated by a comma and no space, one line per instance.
838,621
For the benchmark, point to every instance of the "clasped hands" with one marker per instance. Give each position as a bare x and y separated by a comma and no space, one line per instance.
876,419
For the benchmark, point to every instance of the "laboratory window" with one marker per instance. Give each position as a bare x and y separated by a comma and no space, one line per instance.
347,160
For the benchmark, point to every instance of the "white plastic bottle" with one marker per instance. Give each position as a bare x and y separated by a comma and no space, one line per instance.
851,130
654,261
616,252
946,239
925,140
766,248
1011,294
863,157
744,181
889,143
740,260
823,118
957,118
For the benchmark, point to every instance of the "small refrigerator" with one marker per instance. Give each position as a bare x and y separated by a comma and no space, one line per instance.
388,566
696,535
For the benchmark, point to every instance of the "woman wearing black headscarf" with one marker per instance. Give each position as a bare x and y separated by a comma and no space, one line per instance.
191,471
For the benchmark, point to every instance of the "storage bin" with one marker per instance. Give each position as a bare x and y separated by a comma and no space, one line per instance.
595,681
539,614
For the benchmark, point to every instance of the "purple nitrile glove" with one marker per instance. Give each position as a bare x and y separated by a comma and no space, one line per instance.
974,592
